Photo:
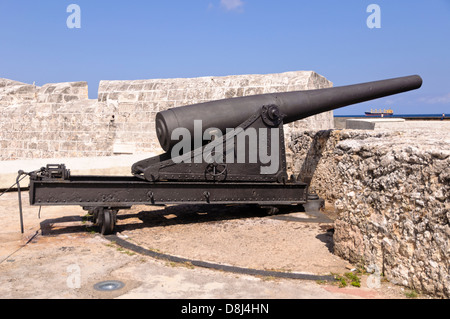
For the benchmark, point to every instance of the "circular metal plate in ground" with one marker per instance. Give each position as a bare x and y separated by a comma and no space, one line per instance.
109,285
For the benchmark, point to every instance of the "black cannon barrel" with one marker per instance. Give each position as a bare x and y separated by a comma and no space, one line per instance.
296,105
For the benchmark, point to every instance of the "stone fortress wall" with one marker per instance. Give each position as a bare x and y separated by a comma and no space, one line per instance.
59,120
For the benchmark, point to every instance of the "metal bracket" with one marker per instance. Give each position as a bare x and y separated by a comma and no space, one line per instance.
195,168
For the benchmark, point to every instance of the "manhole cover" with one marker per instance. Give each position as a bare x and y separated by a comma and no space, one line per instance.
109,285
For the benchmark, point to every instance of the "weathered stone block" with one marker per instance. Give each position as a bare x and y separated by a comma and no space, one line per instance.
386,189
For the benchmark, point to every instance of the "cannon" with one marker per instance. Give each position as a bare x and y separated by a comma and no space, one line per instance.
222,152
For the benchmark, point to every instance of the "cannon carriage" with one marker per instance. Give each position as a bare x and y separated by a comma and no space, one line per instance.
229,151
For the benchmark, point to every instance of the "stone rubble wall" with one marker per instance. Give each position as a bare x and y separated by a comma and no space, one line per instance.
390,190
58,120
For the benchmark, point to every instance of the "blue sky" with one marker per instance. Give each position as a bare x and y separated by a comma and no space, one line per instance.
162,39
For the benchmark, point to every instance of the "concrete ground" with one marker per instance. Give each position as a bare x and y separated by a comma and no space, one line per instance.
60,256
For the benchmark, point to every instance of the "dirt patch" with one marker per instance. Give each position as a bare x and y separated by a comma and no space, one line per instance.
242,236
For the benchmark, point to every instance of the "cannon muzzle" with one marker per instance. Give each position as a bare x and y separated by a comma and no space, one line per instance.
296,105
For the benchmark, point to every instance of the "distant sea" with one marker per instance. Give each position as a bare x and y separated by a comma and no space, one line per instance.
430,116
